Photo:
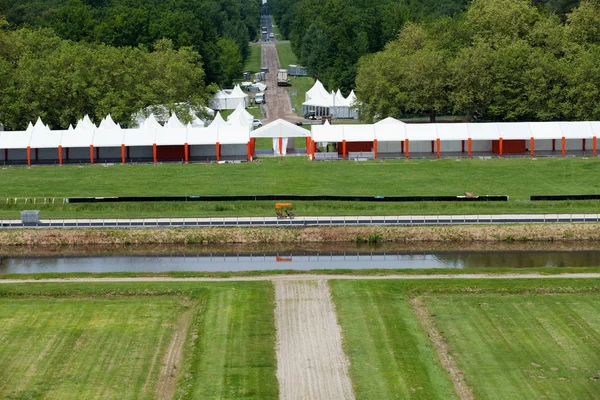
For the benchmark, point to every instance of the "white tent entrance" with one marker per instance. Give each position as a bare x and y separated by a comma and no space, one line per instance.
280,132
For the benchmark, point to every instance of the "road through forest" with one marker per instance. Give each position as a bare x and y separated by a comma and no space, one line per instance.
278,104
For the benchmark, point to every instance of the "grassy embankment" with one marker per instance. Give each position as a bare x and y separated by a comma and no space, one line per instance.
518,339
518,178
108,340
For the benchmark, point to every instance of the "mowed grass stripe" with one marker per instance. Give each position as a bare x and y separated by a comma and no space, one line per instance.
84,348
518,178
231,353
523,347
390,357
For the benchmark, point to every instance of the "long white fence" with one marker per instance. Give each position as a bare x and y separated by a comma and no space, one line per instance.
410,220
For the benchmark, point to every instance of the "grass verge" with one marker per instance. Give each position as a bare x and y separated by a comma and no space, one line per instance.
523,347
106,340
516,346
83,348
286,55
548,271
518,178
254,59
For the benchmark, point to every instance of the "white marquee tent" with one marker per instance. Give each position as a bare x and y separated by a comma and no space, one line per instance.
229,99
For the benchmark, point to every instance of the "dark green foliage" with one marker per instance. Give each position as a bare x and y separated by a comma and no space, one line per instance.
500,60
330,36
60,80
197,23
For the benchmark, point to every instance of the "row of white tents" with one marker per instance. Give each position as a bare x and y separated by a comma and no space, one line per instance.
391,134
323,103
235,138
109,141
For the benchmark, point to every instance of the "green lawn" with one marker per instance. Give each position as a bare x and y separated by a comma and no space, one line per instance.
253,63
512,339
107,340
524,347
286,55
92,348
518,178
389,355
300,85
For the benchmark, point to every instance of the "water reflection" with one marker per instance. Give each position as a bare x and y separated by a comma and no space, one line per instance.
358,258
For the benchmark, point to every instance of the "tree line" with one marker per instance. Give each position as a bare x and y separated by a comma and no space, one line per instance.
499,60
330,36
60,80
219,30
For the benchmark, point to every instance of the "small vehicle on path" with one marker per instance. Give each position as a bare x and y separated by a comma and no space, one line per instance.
283,210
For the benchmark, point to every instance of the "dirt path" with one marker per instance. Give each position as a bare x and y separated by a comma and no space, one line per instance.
278,101
310,361
441,348
167,381
306,277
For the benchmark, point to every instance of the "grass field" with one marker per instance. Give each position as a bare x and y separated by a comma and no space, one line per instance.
108,340
253,63
512,339
95,348
518,178
286,55
524,347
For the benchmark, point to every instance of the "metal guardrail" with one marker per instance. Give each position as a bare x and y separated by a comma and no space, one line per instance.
406,220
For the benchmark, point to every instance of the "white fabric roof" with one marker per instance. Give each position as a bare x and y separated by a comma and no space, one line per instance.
233,134
237,92
15,139
280,128
139,137
45,139
240,117
545,130
108,123
421,132
514,130
218,121
452,131
358,133
174,122
83,137
170,136
483,131
327,133
576,130
202,136
316,92
108,137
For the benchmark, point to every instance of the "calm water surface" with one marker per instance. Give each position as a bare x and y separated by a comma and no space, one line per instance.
349,258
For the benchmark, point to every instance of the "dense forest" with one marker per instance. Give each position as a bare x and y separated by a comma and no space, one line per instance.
500,60
63,59
330,36
210,27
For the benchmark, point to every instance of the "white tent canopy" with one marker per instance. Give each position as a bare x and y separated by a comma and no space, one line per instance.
280,129
229,99
323,103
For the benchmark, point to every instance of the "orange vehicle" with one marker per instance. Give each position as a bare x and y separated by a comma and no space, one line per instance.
283,210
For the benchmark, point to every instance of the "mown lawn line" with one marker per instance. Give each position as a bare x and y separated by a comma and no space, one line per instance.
389,354
507,353
98,352
394,177
232,347
456,375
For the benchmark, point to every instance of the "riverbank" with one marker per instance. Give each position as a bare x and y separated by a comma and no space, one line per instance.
378,234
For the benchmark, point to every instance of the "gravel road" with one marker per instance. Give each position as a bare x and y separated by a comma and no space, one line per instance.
278,101
310,361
